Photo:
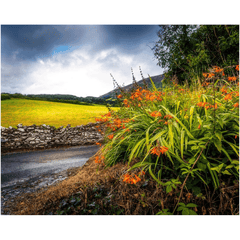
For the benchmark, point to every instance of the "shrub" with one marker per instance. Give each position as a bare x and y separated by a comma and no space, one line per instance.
5,96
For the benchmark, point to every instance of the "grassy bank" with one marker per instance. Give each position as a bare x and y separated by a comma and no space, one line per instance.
28,112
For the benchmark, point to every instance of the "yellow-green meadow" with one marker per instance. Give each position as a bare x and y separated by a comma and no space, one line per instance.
28,112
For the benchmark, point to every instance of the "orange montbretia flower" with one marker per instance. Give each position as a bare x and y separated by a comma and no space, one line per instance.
214,106
232,78
236,105
208,75
142,173
207,105
101,119
158,150
99,144
129,179
199,126
201,104
99,159
110,136
108,114
217,69
223,90
119,96
156,114
228,97
237,67
205,75
205,84
168,116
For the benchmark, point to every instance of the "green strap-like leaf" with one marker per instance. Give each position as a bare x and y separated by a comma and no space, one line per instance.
191,116
182,142
189,134
218,144
233,147
136,147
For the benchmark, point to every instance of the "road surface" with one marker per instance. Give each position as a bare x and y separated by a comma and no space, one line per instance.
29,171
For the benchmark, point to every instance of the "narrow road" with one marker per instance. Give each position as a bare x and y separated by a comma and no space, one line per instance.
30,171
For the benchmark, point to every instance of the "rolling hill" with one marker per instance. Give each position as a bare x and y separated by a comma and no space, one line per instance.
156,79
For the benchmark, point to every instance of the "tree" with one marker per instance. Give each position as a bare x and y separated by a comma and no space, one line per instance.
185,50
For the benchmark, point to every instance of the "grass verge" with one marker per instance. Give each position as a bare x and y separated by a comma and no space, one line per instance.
95,190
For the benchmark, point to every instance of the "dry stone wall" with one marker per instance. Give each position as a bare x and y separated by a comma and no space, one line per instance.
45,136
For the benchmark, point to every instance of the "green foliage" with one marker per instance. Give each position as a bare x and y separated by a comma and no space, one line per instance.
5,96
201,140
185,208
188,50
164,212
63,98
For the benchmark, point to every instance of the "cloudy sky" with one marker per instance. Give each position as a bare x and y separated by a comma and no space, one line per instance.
75,59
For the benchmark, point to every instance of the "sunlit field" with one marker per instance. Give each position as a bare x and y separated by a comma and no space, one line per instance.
30,112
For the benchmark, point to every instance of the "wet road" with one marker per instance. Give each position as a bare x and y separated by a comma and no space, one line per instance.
29,171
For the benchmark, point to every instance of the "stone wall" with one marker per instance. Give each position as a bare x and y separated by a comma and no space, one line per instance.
44,136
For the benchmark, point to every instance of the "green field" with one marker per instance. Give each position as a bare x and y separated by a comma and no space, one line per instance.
28,112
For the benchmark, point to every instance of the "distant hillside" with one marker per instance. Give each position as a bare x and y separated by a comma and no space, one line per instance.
156,79
64,98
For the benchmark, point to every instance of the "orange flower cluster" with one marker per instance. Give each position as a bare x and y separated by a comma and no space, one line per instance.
143,95
99,144
104,118
207,105
101,120
223,90
156,114
126,103
232,79
217,69
119,96
99,130
117,123
208,75
236,94
158,150
181,90
129,179
168,116
205,84
99,159
236,105
111,136
237,67
228,97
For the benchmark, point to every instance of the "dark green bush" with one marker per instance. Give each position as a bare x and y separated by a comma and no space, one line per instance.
5,96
